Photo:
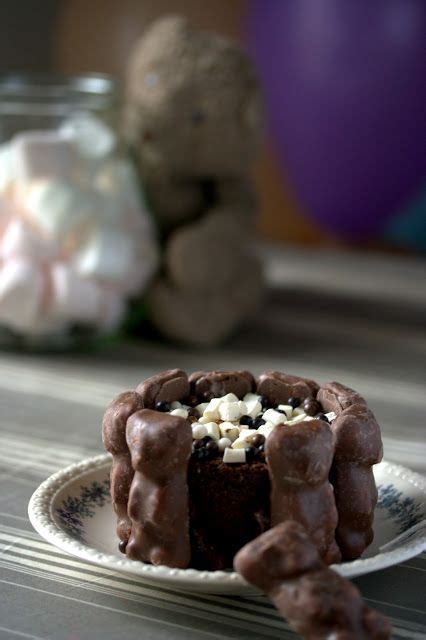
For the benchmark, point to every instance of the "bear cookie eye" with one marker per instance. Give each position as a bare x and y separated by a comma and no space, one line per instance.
198,116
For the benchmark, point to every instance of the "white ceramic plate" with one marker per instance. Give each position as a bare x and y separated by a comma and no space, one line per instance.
72,510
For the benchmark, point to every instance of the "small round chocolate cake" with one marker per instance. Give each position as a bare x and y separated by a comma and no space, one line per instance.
204,464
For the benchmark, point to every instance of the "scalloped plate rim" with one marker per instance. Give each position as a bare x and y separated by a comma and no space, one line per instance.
41,517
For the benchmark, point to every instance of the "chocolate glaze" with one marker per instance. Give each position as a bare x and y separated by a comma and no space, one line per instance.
299,459
336,397
318,603
358,447
279,387
160,447
167,386
213,384
114,439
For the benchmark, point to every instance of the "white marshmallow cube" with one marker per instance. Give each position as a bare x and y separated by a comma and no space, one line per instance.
212,410
119,181
176,404
213,430
43,154
287,408
229,430
298,418
298,411
92,138
74,298
198,431
108,255
21,290
6,167
242,441
330,415
253,407
20,240
223,443
275,417
58,207
201,407
112,311
181,413
266,429
234,456
229,397
232,410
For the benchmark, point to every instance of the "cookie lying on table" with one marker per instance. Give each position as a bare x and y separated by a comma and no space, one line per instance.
317,602
248,454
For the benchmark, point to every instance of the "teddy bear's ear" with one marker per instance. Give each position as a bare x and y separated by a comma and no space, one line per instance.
170,26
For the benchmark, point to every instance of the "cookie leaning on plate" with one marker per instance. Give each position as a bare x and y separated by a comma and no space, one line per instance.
204,464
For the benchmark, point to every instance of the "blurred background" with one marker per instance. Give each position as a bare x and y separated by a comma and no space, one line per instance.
345,89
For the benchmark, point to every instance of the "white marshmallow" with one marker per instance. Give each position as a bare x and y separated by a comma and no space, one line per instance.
287,408
213,430
74,298
242,441
229,397
112,311
6,167
91,137
232,410
299,418
253,407
108,255
265,429
212,410
298,411
176,404
233,456
198,431
118,179
59,207
251,396
145,263
330,415
20,240
229,430
204,420
43,154
201,407
275,417
21,290
224,443
182,413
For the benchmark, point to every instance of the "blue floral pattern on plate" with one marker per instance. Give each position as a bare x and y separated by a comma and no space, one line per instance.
402,510
74,509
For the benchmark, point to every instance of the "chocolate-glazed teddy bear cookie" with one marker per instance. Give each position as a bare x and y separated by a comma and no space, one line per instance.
318,603
194,121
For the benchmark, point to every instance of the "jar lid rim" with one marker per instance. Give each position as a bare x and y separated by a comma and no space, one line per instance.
55,84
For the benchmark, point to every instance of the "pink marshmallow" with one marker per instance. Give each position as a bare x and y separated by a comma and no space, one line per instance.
74,298
22,286
21,240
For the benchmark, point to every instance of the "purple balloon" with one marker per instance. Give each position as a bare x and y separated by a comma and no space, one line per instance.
345,89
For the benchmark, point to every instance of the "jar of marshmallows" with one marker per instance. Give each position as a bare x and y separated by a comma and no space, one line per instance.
76,240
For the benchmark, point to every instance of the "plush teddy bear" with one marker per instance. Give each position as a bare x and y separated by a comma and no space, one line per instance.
193,118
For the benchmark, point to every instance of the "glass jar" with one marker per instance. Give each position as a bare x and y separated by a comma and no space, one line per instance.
76,240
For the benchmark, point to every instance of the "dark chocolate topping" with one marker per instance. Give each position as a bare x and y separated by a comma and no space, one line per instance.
167,386
317,602
279,387
160,446
336,397
214,384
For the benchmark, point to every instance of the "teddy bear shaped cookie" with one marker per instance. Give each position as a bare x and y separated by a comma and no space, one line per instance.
193,118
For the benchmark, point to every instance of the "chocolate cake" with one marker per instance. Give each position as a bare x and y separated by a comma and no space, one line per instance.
201,465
